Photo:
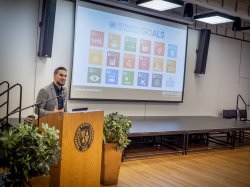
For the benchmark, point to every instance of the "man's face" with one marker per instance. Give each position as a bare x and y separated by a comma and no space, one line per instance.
60,77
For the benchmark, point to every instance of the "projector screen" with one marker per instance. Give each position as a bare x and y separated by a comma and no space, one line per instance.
120,55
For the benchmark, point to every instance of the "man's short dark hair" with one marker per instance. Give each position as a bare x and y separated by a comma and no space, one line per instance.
59,68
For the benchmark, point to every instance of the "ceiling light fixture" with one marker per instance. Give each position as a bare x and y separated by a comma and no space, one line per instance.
188,12
214,18
237,26
160,5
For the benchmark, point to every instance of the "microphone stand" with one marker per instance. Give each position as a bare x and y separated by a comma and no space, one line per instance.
38,105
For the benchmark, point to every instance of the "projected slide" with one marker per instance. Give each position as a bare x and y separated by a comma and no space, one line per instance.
124,56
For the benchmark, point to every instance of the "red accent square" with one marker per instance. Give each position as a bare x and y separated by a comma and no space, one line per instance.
96,38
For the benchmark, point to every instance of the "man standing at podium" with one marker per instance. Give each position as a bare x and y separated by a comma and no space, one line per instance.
53,97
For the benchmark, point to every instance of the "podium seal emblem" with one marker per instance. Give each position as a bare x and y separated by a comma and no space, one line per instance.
84,136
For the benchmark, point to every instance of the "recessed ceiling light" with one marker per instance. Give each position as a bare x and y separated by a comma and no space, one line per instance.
214,18
160,5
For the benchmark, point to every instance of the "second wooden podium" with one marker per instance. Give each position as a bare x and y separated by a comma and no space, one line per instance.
81,148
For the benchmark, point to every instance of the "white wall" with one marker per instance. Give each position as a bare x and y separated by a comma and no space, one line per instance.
227,72
18,37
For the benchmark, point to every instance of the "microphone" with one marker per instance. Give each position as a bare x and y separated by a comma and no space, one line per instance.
44,101
37,104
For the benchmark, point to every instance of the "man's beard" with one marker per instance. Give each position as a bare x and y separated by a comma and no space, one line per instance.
60,84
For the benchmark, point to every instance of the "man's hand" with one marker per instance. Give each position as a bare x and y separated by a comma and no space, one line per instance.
56,110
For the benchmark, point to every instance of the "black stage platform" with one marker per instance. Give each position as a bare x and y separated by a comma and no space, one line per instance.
161,126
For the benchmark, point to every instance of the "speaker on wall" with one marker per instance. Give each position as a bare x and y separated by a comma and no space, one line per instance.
202,51
47,28
188,11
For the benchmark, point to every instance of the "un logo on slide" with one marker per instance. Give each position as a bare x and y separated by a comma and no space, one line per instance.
84,136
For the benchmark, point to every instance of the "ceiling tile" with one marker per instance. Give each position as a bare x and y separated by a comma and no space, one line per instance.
242,7
239,35
217,3
230,33
247,36
229,5
221,30
200,25
212,28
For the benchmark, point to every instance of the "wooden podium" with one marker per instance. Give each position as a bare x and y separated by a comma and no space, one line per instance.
81,148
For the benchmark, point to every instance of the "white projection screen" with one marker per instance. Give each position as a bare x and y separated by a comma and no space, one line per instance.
120,55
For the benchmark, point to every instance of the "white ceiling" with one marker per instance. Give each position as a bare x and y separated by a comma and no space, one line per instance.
237,8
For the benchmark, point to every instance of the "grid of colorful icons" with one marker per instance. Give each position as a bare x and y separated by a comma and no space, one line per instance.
135,66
